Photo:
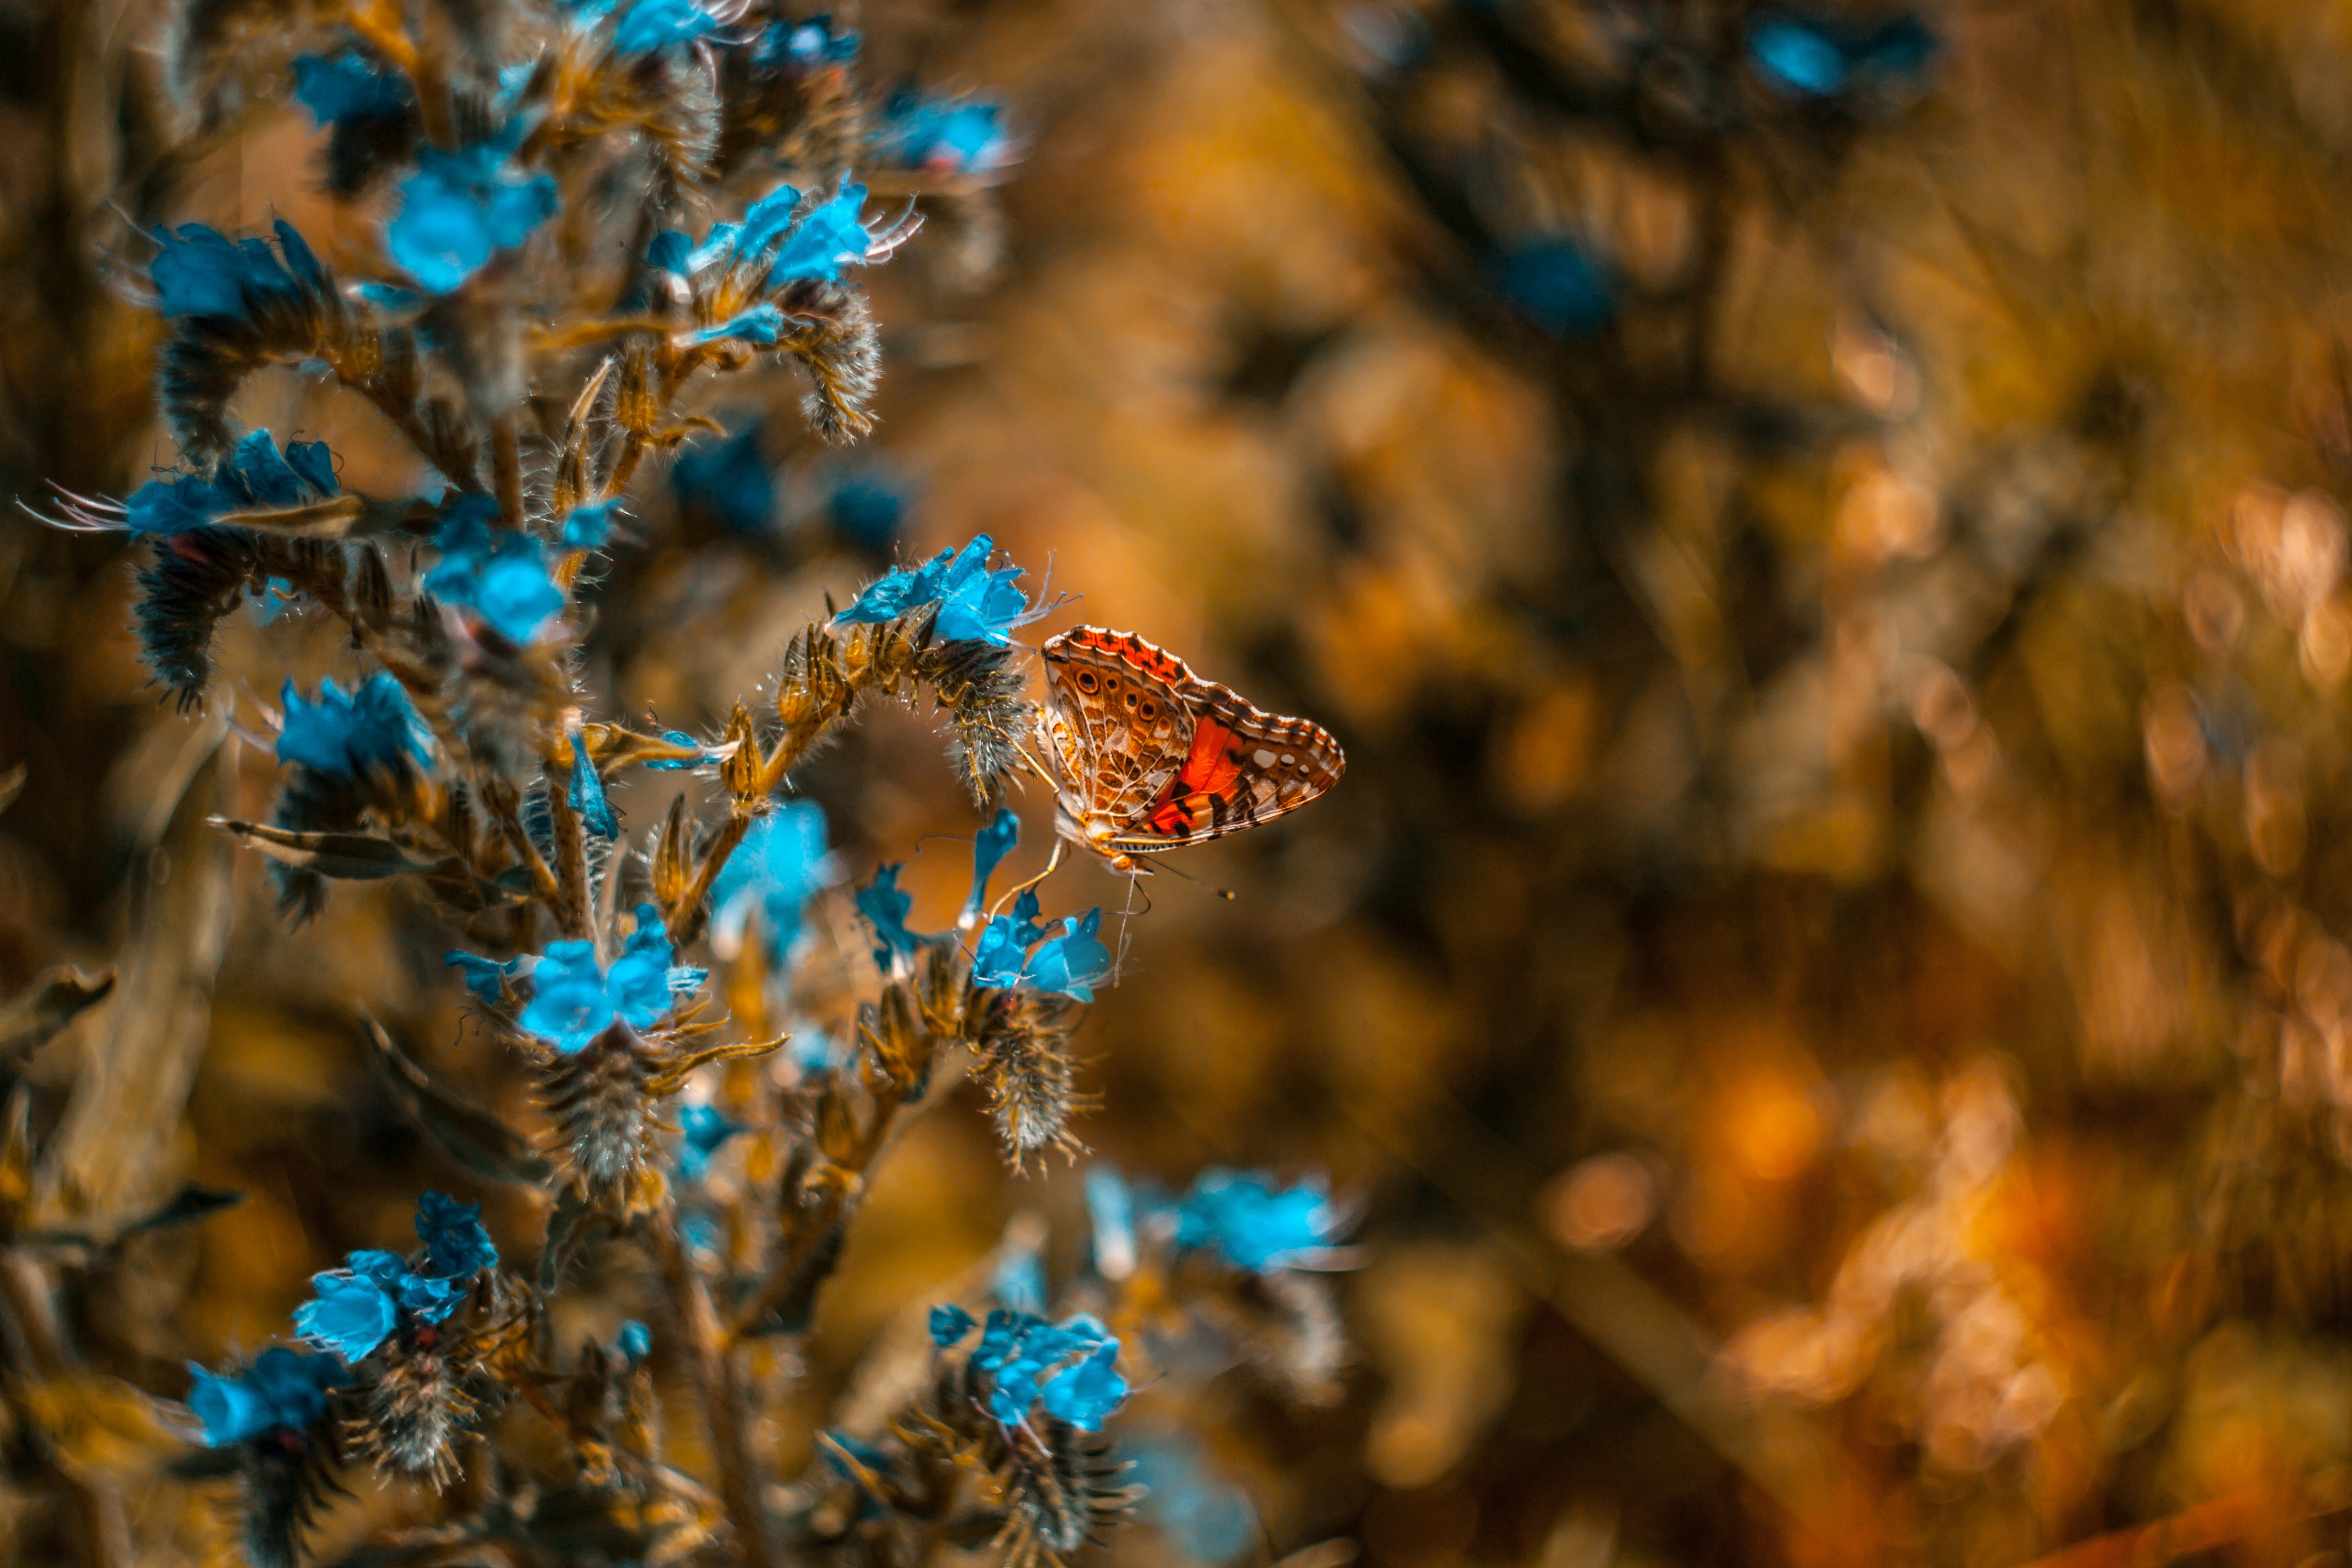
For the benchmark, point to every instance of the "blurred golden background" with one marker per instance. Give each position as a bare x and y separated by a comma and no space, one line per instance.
1826,980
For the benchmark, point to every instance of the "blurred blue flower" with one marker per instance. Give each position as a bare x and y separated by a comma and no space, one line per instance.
812,1051
587,792
658,24
1073,962
1796,58
1026,1358
868,508
1254,1223
199,271
487,978
1020,1284
457,1245
636,1341
427,1295
349,1314
458,209
885,908
804,43
730,481
283,1389
1085,1396
946,135
1558,285
1111,1213
701,1130
1210,1520
779,865
949,1324
819,245
345,87
346,737
589,526
502,576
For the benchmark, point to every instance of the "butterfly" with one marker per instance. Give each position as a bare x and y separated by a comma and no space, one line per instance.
1152,757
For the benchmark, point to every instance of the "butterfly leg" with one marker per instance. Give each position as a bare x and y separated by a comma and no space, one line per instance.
1012,893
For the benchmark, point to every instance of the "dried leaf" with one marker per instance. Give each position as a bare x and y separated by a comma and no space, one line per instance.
473,1137
354,856
56,999
671,871
190,1203
670,1078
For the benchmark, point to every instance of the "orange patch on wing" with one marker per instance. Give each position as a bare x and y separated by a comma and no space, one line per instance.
1207,771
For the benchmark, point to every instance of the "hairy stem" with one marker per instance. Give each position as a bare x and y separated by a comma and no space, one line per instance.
721,1395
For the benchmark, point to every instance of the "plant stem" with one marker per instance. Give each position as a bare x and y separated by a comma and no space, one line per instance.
721,1395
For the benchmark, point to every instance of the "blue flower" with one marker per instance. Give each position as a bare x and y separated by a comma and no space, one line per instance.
780,863
1027,1357
818,245
459,209
254,477
574,1000
588,527
457,1246
487,978
587,792
949,1324
501,576
567,1006
429,1297
959,136
347,737
1085,1396
998,958
283,1389
199,271
1073,962
349,1314
885,908
1559,286
989,848
679,765
1254,1223
976,605
730,481
345,87
701,1129
658,24
636,1341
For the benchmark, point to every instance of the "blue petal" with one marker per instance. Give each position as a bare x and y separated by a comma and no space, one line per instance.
760,325
456,1243
989,848
588,527
1072,962
825,239
346,88
885,908
1796,60
486,978
996,957
516,596
658,24
949,1324
636,1341
588,792
350,1315
315,464
1085,1394
670,252
677,765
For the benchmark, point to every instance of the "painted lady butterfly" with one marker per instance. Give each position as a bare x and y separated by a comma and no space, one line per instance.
1152,757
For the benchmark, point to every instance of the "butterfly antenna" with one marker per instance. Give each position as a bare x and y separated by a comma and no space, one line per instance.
1225,893
1012,893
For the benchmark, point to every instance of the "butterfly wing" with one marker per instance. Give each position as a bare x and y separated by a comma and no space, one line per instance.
1172,759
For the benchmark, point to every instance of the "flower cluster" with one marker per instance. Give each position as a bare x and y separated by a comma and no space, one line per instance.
358,1307
1016,951
574,998
459,209
284,1390
1254,1223
945,135
1070,1367
975,604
